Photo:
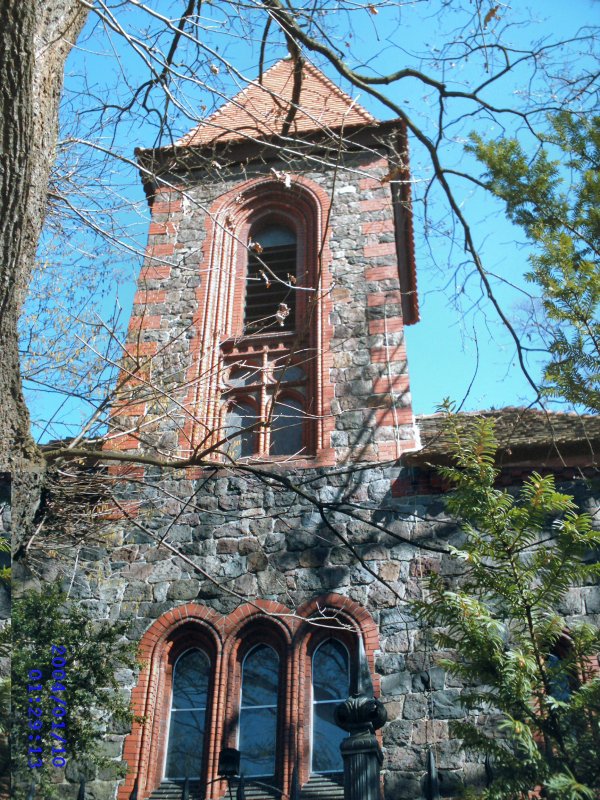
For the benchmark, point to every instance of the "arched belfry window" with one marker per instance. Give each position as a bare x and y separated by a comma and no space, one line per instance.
269,355
270,301
330,686
187,723
264,324
258,719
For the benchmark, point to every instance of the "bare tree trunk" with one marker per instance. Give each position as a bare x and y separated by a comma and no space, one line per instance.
36,38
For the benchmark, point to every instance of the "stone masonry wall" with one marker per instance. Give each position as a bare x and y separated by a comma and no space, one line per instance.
266,542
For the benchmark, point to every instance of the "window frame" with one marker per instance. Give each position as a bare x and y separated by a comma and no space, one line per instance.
278,713
207,709
349,663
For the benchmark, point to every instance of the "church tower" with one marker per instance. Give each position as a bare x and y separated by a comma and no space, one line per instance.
280,513
278,278
266,352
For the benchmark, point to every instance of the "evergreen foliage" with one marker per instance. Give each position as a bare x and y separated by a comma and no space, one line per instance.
563,224
89,689
500,627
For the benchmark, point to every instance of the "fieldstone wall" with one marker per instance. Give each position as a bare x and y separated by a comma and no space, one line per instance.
263,540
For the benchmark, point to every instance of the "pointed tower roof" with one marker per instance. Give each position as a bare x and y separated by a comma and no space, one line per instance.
260,110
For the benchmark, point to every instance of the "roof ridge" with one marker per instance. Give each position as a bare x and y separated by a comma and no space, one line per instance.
248,101
226,102
354,104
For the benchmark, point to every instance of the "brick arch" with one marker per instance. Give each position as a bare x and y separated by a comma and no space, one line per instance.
221,295
226,639
243,195
348,610
261,622
144,747
347,621
259,608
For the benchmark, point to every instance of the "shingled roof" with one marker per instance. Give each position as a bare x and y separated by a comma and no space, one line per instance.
522,433
261,108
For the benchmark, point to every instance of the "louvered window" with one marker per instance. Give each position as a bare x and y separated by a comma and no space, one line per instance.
270,294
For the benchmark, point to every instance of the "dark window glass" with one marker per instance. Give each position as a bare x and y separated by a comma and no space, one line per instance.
269,304
286,428
244,376
188,713
258,712
331,685
239,417
289,374
560,688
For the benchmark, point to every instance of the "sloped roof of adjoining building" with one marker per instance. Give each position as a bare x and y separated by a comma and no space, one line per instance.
522,434
262,107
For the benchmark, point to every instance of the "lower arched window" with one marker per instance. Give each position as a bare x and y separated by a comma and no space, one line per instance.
330,686
258,712
191,676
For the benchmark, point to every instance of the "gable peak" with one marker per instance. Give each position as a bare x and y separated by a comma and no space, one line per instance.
262,108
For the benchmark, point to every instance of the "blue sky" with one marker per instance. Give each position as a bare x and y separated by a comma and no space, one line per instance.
459,348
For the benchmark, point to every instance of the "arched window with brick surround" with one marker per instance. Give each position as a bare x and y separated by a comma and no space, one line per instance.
330,686
257,731
262,380
267,395
263,679
191,677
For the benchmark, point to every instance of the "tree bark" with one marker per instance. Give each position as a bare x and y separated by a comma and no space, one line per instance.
36,38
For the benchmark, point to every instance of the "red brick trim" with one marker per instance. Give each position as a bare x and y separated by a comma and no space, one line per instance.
144,748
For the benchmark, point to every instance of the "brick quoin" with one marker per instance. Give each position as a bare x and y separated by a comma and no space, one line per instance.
133,410
167,207
155,272
388,417
378,226
394,383
393,354
147,322
380,249
155,250
375,204
149,296
392,324
161,228
137,349
388,298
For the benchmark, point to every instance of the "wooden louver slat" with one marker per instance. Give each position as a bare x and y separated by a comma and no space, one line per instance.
262,298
